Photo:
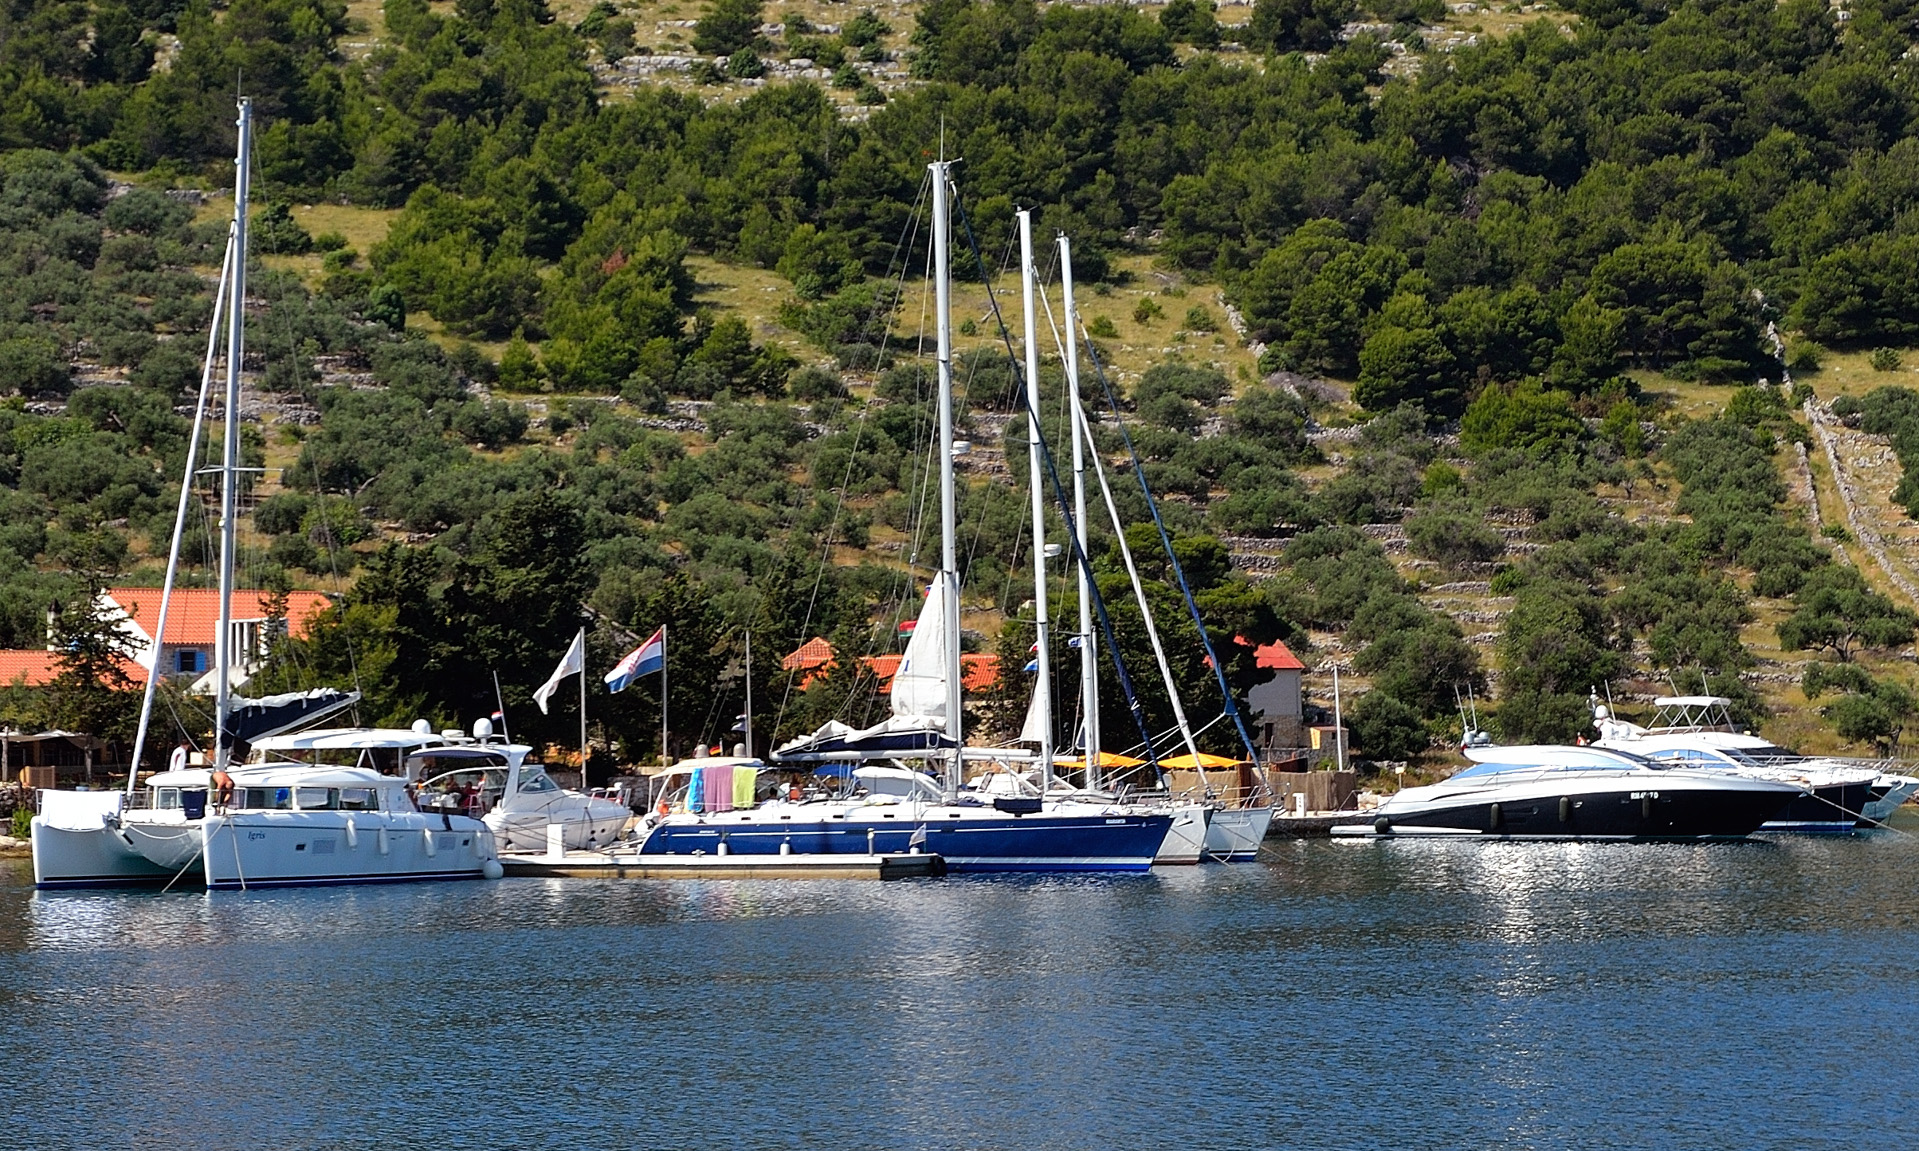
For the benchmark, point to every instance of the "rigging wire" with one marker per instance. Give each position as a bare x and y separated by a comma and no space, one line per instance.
1166,542
1133,704
900,248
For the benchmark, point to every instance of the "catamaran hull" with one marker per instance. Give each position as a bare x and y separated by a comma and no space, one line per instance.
307,849
1638,814
1234,834
96,857
968,843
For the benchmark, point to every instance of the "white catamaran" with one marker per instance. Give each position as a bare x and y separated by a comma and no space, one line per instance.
267,824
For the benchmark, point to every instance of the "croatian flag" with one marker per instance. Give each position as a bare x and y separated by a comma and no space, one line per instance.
645,659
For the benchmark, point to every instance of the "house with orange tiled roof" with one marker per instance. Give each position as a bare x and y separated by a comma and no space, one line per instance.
28,667
193,622
1278,704
977,672
815,656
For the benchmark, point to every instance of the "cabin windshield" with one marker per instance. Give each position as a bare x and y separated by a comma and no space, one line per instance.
534,779
1702,757
1483,770
473,789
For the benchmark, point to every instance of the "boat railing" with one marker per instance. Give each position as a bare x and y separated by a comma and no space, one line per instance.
1864,763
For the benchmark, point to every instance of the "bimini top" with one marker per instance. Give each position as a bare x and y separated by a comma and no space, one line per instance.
458,757
687,766
279,775
1542,757
349,739
1692,701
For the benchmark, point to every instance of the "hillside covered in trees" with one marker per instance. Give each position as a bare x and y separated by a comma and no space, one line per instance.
1453,341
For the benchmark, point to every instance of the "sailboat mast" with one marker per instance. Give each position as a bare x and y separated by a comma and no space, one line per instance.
1088,655
949,517
1043,684
180,513
224,654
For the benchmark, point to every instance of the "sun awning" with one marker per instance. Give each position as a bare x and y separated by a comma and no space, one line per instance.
1204,761
1106,759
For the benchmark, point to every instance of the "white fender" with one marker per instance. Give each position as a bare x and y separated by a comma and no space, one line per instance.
352,835
432,849
380,842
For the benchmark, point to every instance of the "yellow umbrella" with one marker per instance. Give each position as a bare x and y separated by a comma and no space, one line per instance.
1106,759
1187,762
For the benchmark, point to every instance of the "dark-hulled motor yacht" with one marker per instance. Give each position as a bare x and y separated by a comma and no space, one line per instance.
1544,792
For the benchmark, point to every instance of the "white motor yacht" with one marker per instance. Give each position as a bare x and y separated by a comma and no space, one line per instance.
1698,731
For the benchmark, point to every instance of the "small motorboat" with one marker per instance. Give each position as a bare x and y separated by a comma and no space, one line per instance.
493,782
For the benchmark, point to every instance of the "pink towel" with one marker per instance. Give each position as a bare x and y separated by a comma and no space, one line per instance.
719,788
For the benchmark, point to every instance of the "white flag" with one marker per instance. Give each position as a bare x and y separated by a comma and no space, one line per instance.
572,663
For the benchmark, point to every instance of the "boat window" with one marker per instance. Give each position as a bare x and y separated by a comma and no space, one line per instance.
359,799
532,780
317,798
266,798
168,797
1692,755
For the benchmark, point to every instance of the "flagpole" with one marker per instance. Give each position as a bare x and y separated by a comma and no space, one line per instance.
663,759
501,700
582,709
749,695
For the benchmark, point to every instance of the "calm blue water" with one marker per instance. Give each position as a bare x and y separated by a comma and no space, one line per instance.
1341,995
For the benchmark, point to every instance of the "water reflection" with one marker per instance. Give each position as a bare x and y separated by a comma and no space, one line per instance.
1339,995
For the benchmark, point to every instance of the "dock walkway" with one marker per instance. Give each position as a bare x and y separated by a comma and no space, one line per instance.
633,865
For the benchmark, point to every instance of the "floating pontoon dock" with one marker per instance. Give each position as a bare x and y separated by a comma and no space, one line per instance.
633,865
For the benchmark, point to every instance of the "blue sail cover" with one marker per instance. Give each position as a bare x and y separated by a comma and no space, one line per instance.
901,735
252,719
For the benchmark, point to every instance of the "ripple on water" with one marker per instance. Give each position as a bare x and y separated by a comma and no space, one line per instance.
1338,995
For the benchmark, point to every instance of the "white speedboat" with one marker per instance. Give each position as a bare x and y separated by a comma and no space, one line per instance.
517,800
1578,793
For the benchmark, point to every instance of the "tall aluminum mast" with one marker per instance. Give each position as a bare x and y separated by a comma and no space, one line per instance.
949,516
1043,684
1088,653
223,644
